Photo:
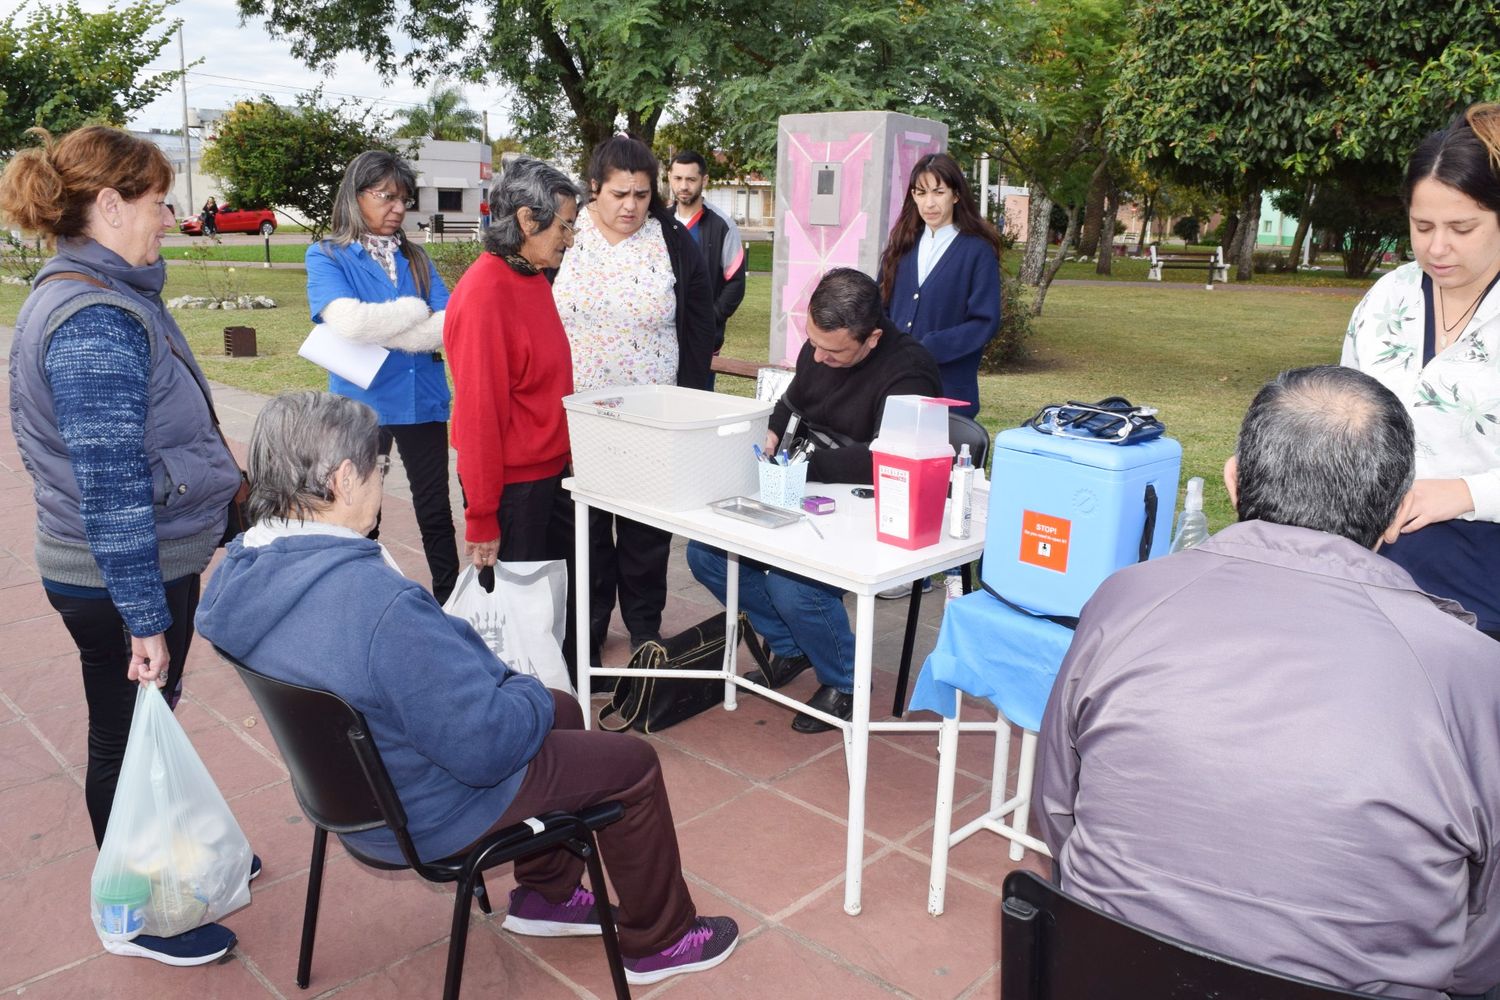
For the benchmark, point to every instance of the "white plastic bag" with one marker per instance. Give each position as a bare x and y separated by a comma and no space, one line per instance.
523,619
173,857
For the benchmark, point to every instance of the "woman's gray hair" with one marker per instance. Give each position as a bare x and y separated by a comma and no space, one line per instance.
371,169
529,184
299,439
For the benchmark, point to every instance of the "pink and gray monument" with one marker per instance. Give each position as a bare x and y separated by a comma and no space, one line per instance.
840,178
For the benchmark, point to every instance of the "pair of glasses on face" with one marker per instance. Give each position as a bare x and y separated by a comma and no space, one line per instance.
571,228
386,197
1086,420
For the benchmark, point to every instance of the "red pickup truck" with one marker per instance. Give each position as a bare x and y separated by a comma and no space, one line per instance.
248,220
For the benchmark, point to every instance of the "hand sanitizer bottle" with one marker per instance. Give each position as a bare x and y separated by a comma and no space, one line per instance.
1192,525
961,510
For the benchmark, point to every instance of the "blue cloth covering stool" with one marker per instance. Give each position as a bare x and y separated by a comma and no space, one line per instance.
990,651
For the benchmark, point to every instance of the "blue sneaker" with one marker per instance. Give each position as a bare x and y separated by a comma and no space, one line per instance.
198,946
254,867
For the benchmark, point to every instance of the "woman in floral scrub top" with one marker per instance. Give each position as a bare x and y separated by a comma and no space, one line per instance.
1430,332
635,301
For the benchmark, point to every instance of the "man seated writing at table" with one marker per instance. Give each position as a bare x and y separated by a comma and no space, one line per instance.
853,359
1274,745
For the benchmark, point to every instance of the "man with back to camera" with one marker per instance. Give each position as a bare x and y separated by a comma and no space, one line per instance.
716,234
1275,746
853,359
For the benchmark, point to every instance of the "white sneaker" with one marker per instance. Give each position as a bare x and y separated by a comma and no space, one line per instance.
901,590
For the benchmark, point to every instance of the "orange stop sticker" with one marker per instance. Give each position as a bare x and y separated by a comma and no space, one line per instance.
1044,540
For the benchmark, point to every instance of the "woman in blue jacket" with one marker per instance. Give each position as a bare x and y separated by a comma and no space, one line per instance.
376,287
940,275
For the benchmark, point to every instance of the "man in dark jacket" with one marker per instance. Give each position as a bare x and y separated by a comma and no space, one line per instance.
853,360
716,234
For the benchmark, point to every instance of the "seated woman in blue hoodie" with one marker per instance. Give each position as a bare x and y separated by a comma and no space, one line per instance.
470,745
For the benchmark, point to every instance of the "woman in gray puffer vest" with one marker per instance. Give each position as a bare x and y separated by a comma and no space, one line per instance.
131,477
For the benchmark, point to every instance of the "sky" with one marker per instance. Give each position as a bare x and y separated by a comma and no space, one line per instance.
244,61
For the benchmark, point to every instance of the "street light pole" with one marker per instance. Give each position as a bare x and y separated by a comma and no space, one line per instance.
187,136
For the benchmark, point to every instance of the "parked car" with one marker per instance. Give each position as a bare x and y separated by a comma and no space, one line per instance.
246,220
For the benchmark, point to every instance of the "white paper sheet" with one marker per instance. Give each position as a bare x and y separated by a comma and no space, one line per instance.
345,358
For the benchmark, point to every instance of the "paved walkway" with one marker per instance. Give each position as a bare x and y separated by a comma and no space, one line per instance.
759,815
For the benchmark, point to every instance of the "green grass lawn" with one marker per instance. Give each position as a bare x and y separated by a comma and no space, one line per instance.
1197,357
1135,268
281,253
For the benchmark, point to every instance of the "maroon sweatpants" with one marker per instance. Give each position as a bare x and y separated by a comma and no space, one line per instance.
576,768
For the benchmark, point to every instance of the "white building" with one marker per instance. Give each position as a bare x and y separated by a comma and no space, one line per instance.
190,185
453,178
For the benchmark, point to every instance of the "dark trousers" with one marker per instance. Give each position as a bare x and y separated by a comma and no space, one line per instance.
424,455
104,652
536,523
576,768
629,559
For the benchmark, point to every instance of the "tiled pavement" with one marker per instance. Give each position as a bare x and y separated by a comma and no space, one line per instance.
759,815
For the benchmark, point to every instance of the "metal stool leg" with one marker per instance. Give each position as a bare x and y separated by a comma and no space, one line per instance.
942,817
1023,792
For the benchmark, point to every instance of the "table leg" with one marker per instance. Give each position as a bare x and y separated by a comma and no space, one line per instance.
942,815
731,627
859,757
581,607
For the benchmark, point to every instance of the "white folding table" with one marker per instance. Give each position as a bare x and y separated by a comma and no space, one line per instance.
846,556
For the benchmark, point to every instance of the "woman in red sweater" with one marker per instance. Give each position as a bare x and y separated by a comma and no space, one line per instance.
511,368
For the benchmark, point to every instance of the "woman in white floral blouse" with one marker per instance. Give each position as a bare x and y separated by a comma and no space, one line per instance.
1430,331
635,301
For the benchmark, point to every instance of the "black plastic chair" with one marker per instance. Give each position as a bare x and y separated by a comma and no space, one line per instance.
1056,948
961,430
342,785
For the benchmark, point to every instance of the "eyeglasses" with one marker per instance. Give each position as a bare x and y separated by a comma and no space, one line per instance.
383,465
571,228
1116,423
385,197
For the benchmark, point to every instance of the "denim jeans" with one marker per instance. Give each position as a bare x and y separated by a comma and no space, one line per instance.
104,652
795,615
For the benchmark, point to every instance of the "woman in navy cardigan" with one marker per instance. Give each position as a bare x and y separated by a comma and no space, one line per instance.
940,275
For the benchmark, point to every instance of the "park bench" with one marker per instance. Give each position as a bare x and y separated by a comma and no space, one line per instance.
768,387
445,228
1213,263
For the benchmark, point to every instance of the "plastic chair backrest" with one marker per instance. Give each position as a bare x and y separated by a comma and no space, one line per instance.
336,772
1056,948
967,430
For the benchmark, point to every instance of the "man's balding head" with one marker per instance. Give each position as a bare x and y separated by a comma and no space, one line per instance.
1327,448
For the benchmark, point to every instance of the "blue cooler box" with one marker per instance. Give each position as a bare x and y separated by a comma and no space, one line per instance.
1067,512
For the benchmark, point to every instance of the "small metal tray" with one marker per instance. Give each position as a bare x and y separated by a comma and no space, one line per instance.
746,509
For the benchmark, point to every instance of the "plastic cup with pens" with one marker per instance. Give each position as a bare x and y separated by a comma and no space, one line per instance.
783,485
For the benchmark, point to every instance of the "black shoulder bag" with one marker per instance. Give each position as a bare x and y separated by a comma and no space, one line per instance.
652,704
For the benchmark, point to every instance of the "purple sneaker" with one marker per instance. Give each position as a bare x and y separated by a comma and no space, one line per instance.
531,914
708,943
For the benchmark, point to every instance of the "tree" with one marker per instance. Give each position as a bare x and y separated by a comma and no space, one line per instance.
937,59
444,115
1243,97
581,69
292,158
1053,88
578,68
1361,214
1187,228
61,68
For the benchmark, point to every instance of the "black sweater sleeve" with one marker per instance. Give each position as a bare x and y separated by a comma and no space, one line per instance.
696,330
